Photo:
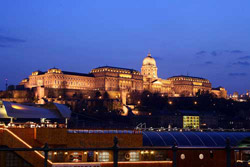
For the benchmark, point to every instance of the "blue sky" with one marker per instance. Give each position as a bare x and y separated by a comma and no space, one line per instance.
207,38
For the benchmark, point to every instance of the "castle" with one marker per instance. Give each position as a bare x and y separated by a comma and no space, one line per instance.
117,80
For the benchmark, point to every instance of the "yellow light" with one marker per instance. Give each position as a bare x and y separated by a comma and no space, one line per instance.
125,75
85,153
152,152
66,153
17,107
139,102
170,102
195,102
146,152
142,152
55,153
95,163
197,83
96,153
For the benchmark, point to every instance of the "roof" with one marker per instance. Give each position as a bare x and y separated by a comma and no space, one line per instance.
15,110
218,88
186,76
78,74
193,139
116,68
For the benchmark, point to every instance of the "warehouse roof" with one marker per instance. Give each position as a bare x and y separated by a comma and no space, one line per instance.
15,110
193,139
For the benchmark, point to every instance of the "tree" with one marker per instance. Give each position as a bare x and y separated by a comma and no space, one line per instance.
51,93
98,94
106,95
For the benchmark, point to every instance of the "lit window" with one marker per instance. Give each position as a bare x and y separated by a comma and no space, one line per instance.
103,157
134,156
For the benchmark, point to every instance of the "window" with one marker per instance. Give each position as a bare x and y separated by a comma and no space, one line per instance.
134,156
103,157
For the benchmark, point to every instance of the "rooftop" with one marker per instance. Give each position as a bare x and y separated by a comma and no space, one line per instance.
193,139
131,70
186,76
20,111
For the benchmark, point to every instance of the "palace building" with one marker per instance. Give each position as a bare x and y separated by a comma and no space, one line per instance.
116,80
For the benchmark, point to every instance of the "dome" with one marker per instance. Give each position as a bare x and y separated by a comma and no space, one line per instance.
55,70
149,60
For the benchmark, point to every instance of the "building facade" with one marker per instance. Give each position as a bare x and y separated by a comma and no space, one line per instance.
116,79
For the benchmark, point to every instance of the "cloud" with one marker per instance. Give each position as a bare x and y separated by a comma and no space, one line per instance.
201,52
209,62
220,52
242,63
237,74
6,41
214,53
3,46
244,58
10,39
236,51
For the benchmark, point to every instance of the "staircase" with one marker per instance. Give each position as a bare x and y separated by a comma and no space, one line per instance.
11,140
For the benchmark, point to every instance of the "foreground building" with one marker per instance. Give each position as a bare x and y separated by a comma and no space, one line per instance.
15,112
118,81
143,148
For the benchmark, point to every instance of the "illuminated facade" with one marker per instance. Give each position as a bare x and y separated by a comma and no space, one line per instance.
174,86
107,78
191,122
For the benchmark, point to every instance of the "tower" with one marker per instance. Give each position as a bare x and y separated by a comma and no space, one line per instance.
149,69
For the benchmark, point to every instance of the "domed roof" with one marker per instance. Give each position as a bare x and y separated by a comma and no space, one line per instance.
149,60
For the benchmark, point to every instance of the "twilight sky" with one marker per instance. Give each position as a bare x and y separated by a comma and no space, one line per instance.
203,38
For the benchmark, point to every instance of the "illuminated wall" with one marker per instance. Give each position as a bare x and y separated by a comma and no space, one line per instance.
191,122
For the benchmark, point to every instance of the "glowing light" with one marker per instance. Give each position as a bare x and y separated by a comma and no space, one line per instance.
94,163
152,152
170,102
195,102
17,107
85,153
66,153
197,83
125,75
55,153
142,152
